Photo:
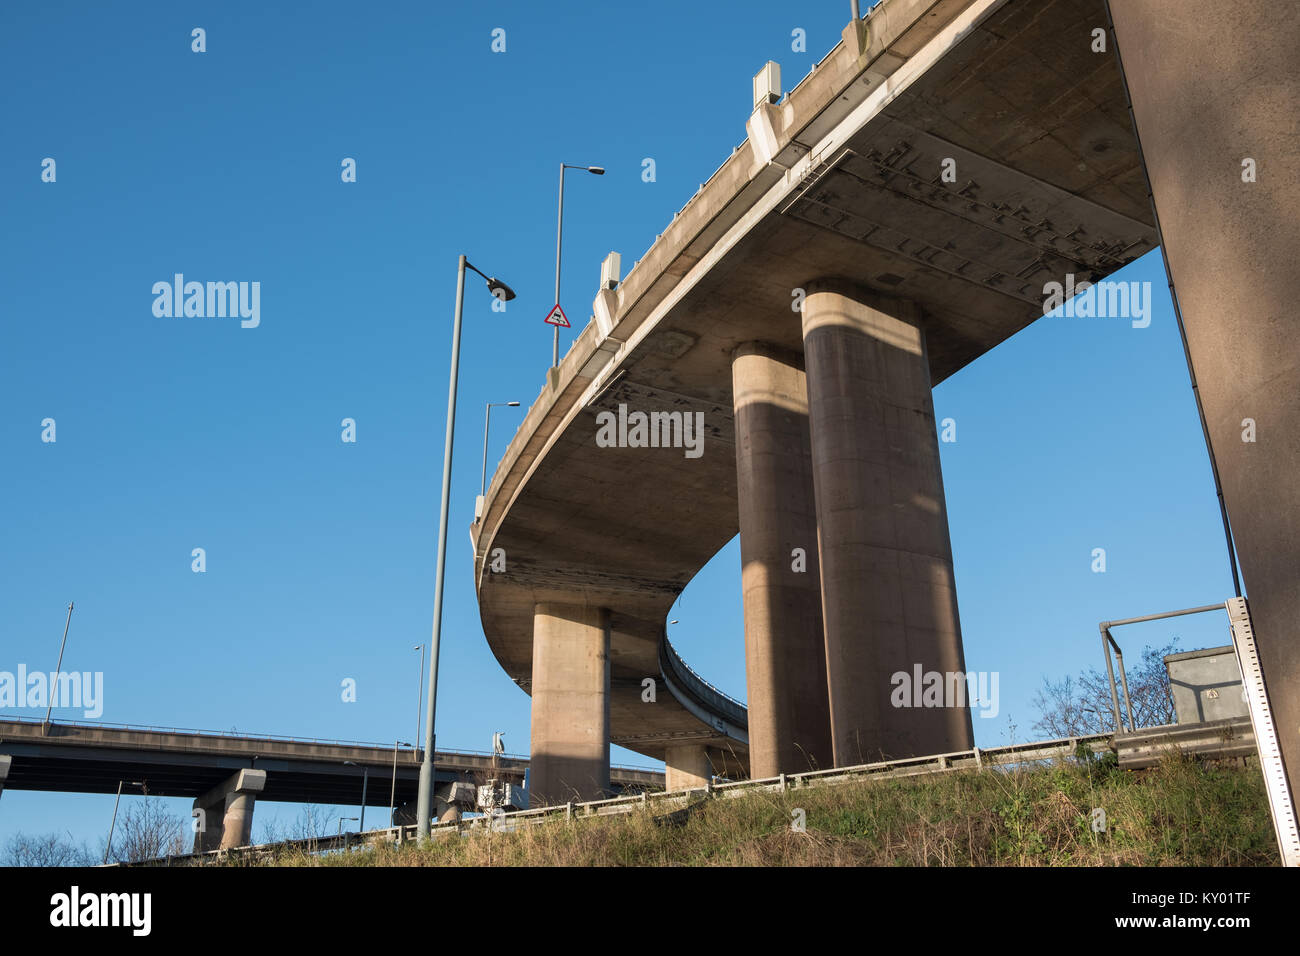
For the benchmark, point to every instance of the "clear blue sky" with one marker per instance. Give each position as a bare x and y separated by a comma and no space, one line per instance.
174,434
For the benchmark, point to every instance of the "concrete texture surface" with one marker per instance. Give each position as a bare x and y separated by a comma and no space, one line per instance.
785,652
570,727
888,593
1214,84
227,812
687,767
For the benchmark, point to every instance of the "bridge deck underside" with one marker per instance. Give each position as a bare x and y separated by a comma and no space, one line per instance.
1048,182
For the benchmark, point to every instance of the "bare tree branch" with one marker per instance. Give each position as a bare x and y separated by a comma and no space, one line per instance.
1073,707
45,849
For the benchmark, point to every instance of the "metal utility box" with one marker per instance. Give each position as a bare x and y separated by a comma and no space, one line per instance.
507,796
1206,685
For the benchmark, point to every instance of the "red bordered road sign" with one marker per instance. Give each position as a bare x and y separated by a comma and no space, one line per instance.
557,317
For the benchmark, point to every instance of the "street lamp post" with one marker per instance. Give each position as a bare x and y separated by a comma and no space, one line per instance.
58,669
500,290
419,693
392,795
487,420
365,781
109,845
559,232
135,783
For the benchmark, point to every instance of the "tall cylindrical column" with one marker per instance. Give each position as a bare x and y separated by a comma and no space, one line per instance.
785,658
570,710
888,596
1214,89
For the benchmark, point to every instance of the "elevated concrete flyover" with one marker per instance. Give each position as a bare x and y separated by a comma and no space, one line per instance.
829,236
902,211
89,758
95,758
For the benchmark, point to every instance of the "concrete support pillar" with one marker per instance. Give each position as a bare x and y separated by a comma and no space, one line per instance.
237,827
785,657
888,596
450,800
208,821
6,762
1205,100
687,767
570,711
227,819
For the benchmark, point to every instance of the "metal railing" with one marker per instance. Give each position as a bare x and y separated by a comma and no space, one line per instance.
672,664
973,759
1108,643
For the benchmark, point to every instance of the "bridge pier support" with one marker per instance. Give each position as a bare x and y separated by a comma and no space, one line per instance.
785,655
570,709
450,800
227,819
1230,230
6,762
888,596
687,766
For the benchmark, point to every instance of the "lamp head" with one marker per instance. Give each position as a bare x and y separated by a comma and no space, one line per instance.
500,289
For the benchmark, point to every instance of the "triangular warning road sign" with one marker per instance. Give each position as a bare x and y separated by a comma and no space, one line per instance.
557,317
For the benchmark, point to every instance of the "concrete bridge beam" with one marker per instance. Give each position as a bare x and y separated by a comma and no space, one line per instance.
785,656
687,766
570,709
888,596
228,812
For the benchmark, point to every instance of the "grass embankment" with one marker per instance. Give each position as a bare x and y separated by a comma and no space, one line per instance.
1181,813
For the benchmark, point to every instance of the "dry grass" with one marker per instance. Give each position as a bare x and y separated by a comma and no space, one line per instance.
1182,813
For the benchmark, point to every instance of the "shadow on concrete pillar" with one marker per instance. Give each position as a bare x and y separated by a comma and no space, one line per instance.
888,595
1214,85
570,708
225,819
687,766
785,658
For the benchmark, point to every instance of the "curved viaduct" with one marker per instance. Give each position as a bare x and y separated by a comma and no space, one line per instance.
800,308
